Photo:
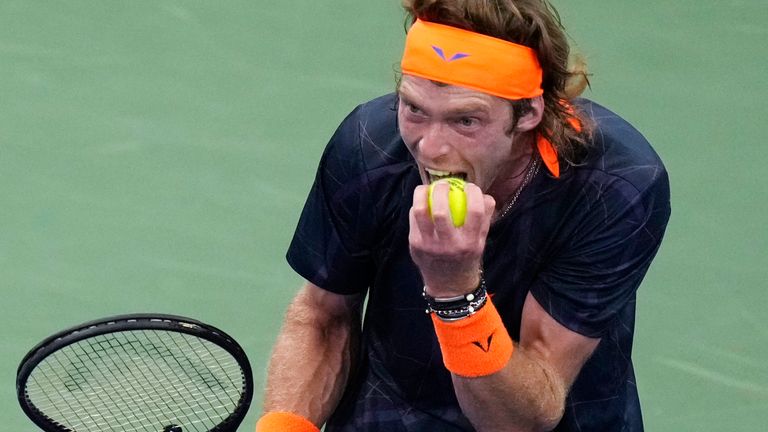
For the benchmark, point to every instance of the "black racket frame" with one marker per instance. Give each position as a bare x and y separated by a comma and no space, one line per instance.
129,322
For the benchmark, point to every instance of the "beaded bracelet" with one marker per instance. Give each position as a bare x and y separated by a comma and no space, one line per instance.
456,308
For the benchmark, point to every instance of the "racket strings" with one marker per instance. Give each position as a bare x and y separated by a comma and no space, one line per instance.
100,414
204,350
76,376
138,381
106,415
191,370
148,375
50,374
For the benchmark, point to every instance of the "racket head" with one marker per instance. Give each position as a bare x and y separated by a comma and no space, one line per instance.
212,361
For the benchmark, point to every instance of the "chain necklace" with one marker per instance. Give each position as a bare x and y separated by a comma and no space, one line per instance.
533,169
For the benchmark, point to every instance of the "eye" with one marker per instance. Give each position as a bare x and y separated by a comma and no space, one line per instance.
467,121
413,109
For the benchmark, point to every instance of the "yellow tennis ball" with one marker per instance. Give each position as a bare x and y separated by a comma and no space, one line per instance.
457,199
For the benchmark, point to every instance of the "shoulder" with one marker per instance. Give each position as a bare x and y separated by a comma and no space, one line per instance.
367,139
366,151
371,130
621,185
620,154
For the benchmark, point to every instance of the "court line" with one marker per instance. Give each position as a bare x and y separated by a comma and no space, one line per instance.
701,372
742,412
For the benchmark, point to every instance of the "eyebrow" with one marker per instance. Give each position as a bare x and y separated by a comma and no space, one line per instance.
404,97
471,108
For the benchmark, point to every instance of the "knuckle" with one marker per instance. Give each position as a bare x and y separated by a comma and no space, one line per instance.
440,214
475,212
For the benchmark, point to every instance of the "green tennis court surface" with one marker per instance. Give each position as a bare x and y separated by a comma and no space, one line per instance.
155,155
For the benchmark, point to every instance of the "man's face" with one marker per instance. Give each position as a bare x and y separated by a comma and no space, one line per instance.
463,132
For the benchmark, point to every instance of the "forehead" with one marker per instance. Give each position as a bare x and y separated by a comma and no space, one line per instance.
427,93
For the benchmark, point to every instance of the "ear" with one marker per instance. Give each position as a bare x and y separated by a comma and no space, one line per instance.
533,117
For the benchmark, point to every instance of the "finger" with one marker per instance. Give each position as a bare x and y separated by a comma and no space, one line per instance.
419,203
414,233
419,214
476,211
441,210
490,208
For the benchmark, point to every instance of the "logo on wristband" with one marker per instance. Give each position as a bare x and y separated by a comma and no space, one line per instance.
486,348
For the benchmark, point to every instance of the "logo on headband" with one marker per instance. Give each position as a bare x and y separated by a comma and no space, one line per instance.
455,57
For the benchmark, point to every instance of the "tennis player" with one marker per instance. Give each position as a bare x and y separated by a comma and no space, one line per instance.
523,318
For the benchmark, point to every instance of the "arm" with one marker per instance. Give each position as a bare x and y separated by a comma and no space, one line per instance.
313,355
528,394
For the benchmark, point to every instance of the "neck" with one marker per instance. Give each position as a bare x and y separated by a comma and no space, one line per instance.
508,185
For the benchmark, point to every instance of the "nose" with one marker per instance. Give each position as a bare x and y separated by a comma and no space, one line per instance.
434,143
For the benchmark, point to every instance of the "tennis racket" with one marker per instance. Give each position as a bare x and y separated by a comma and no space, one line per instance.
140,372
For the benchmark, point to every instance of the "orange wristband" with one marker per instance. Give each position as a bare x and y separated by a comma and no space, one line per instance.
475,346
279,421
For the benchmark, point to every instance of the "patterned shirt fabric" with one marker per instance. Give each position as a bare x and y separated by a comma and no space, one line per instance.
580,244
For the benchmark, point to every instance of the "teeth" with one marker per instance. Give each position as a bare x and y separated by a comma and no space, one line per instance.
435,175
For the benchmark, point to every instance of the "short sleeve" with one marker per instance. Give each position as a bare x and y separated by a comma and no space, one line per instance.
331,244
613,237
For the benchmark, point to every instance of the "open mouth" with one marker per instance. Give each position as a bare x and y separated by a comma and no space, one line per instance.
435,175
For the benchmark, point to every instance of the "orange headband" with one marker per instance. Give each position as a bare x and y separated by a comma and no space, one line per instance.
460,57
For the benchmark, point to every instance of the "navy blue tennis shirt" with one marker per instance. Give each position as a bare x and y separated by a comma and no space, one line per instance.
580,244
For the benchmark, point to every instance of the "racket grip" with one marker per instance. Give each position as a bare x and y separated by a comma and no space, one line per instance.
280,421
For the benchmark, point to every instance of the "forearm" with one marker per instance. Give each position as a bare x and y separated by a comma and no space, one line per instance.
310,363
506,387
499,385
525,395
